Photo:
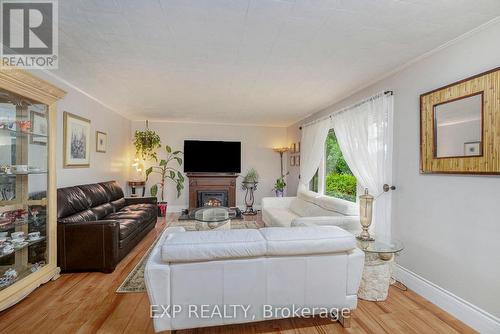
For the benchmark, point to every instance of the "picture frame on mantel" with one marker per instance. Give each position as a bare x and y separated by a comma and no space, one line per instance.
76,141
473,103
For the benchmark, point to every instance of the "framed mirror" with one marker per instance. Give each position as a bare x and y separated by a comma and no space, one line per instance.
458,127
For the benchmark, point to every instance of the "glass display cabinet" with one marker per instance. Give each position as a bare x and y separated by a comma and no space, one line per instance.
27,184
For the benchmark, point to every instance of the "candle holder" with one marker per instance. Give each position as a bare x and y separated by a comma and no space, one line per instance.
365,215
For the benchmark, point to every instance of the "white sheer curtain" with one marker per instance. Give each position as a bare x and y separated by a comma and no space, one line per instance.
364,134
312,148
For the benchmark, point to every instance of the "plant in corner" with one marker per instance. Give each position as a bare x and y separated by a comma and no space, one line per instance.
166,172
279,186
146,143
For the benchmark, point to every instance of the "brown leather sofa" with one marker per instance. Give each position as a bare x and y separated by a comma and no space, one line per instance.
97,226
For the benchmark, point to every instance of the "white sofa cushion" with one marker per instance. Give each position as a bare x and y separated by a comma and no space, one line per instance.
307,240
338,205
307,195
300,207
279,217
308,209
212,245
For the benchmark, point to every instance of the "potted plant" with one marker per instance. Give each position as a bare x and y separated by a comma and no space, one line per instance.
146,143
279,186
249,184
166,172
251,177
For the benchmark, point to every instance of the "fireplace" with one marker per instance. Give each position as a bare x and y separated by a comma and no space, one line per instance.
212,198
212,188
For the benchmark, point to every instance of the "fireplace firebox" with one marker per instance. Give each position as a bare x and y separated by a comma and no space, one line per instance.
212,198
210,183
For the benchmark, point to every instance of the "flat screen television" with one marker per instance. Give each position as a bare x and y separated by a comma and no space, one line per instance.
212,156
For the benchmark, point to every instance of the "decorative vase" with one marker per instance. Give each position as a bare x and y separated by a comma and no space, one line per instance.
279,193
249,197
365,215
162,209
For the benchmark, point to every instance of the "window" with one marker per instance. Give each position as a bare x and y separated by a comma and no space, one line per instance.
333,177
314,183
339,181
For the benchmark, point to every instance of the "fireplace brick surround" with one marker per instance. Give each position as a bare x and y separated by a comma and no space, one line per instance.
211,182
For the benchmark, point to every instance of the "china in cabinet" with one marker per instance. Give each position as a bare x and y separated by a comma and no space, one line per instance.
27,184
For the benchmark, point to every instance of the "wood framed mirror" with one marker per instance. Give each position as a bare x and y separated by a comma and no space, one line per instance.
460,127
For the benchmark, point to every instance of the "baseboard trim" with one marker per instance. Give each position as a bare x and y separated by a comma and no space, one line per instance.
470,314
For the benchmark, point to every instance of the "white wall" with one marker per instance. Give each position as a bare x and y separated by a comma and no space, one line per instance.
112,165
449,223
256,151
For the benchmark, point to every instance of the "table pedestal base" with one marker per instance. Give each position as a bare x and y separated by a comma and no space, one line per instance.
376,278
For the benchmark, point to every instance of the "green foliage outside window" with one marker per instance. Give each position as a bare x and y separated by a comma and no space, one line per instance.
339,181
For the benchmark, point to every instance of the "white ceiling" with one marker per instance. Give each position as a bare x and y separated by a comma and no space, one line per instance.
247,62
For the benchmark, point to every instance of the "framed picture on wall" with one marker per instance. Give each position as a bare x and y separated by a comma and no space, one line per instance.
297,160
101,141
76,141
39,128
292,160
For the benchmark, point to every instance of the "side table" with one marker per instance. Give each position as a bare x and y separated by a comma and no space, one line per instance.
379,258
137,184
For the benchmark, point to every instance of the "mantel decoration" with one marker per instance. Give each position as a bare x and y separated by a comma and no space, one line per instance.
459,127
146,143
166,172
365,215
249,184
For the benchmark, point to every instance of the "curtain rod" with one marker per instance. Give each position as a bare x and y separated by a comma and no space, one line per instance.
357,104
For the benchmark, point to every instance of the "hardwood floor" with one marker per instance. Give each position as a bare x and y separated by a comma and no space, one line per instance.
87,303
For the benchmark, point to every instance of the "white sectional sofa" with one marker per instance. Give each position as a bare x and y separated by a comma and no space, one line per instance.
266,270
310,208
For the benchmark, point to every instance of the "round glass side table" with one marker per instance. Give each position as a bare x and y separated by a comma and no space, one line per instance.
379,258
211,218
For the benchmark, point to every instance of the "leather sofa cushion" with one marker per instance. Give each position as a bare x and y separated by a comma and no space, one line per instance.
307,240
139,216
127,227
113,190
141,206
87,215
95,193
118,204
212,245
71,200
103,210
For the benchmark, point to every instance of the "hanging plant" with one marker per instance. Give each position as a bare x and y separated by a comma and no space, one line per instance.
146,143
